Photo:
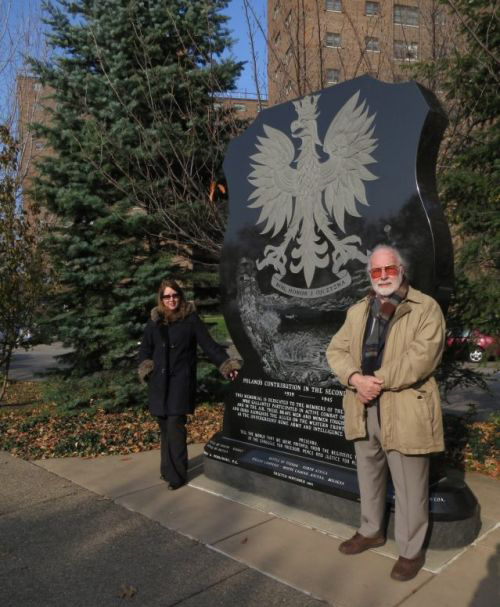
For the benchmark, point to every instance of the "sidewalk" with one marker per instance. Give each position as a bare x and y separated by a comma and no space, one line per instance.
110,522
64,546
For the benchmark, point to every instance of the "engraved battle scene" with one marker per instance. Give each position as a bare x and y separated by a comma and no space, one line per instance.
288,339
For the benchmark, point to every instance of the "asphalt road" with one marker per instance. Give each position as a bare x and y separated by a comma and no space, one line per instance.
33,363
486,403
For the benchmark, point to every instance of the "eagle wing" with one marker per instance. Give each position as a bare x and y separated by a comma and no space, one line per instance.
349,141
274,179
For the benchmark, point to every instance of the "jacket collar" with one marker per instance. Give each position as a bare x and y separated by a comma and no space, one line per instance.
167,317
413,296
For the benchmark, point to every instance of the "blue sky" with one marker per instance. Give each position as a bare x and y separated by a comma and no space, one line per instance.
241,48
19,37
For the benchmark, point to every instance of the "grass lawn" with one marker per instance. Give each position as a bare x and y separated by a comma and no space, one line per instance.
217,327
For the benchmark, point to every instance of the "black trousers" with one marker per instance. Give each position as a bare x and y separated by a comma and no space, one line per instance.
173,448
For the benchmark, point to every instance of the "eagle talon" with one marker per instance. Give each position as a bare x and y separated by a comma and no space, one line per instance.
275,257
346,250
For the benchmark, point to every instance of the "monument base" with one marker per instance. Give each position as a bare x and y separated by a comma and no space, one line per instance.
332,491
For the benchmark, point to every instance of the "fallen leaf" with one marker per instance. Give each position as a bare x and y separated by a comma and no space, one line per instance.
127,591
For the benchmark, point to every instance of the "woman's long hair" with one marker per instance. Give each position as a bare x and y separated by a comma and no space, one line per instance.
173,285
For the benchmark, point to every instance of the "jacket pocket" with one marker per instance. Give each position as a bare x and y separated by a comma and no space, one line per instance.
414,419
354,416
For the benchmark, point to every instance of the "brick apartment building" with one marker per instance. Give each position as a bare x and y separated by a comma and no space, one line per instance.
33,106
245,105
318,43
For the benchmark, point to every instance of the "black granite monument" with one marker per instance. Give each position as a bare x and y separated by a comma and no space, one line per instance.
314,185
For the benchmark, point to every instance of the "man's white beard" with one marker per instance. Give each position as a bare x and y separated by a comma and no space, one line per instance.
388,290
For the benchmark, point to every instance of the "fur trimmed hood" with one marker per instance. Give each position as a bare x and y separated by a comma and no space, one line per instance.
168,317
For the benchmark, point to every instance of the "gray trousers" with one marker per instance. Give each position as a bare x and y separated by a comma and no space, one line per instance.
410,476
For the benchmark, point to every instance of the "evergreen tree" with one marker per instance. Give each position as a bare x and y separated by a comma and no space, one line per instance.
469,175
133,86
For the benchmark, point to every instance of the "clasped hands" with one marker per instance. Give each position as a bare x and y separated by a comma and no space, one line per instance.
367,387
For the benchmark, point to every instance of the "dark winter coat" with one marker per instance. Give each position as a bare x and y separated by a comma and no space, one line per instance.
167,359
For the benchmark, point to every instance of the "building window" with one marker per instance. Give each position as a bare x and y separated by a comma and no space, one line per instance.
440,17
332,40
332,76
371,9
406,15
372,44
406,51
333,5
240,107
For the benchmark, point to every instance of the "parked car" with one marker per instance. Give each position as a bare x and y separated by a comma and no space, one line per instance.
473,345
23,337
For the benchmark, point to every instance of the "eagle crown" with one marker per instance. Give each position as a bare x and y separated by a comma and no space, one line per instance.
306,108
305,126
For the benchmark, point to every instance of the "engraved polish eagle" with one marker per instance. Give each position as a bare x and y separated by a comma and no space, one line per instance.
304,192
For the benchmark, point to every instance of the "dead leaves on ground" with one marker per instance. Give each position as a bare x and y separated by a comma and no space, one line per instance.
34,432
22,393
39,434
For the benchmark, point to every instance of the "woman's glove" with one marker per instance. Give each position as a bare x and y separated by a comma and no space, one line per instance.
145,369
230,367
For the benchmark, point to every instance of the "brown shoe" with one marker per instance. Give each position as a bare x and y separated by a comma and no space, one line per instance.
407,569
359,543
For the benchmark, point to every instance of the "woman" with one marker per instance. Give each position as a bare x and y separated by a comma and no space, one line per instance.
167,361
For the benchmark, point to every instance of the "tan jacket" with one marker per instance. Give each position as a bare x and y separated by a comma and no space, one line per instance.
410,410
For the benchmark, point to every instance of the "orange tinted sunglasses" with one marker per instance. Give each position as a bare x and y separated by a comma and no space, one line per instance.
389,270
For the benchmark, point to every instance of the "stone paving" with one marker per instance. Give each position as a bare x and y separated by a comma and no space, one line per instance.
292,547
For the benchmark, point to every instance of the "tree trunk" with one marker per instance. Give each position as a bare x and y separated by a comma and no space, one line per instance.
7,359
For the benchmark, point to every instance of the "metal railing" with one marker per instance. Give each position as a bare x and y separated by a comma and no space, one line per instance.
241,95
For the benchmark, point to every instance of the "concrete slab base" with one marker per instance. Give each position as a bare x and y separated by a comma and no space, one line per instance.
443,535
436,559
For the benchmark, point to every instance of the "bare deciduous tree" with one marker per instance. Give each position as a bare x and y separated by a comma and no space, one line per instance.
22,276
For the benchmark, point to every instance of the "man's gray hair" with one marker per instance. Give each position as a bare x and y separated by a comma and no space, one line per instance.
387,247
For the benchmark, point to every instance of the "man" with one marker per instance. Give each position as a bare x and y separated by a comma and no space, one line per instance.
385,354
